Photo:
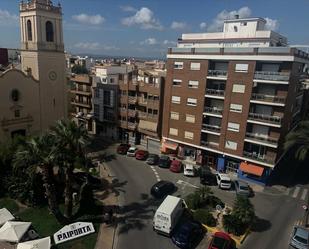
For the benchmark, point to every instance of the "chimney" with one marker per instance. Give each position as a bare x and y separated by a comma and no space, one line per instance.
237,16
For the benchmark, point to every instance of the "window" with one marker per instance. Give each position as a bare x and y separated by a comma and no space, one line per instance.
233,126
97,93
175,115
96,109
156,97
178,65
191,102
193,84
195,66
155,112
241,68
238,88
243,24
17,113
173,131
189,135
176,82
49,32
190,118
176,99
230,145
29,30
235,108
111,80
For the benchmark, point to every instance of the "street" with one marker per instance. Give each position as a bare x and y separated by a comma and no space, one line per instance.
277,211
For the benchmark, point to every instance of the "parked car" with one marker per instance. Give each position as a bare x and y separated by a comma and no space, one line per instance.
300,238
189,169
131,151
176,166
242,188
123,149
221,240
141,154
152,159
187,234
223,181
164,161
162,188
207,177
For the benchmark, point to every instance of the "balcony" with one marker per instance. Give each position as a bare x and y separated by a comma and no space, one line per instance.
217,74
262,140
213,93
260,158
132,99
142,115
123,124
263,119
209,144
213,111
142,101
81,92
272,77
132,125
267,99
212,129
81,103
132,112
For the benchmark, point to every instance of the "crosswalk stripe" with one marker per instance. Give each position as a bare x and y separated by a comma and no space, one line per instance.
303,197
296,191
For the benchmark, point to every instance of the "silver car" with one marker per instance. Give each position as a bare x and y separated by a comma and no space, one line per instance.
242,188
300,238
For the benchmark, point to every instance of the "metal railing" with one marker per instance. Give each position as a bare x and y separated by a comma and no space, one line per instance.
267,118
217,73
215,92
213,110
131,112
210,144
257,137
142,114
209,127
261,158
132,125
132,99
265,75
268,98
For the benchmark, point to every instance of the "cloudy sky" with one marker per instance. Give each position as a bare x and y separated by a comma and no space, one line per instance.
148,28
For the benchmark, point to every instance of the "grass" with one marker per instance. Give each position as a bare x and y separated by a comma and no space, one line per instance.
9,204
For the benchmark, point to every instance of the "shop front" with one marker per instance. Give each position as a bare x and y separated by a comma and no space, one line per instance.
252,172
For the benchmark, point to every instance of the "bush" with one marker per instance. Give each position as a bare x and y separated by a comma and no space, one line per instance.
213,201
205,217
233,225
193,201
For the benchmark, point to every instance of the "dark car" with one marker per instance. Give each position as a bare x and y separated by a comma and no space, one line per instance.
123,149
141,154
176,166
152,159
187,234
164,161
207,177
221,240
162,188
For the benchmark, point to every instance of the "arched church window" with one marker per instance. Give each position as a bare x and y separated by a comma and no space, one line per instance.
49,32
29,30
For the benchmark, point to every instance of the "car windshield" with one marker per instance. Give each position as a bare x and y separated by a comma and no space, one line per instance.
131,149
219,242
164,158
190,170
225,181
151,156
301,239
243,187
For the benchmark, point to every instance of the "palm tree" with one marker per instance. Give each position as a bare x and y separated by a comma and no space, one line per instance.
39,154
299,140
71,139
243,210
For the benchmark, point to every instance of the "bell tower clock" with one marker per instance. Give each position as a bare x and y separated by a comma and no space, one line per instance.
42,54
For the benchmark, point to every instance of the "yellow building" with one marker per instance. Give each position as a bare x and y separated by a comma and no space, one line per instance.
33,98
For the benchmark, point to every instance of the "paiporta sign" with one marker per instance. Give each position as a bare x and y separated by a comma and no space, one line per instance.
73,231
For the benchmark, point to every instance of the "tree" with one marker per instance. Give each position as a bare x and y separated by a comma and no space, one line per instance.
39,154
78,69
243,210
299,140
204,192
71,140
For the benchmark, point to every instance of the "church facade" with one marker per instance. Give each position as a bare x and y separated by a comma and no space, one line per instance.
34,97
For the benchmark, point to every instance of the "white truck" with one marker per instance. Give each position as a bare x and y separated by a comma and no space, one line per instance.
168,214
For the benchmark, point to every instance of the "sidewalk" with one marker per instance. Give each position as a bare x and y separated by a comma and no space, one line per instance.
107,234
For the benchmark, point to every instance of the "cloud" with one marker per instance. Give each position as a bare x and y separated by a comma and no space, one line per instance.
128,8
88,19
143,18
203,25
167,42
271,24
94,46
178,25
149,41
217,23
6,18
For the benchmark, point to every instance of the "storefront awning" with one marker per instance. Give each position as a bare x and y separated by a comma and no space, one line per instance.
251,169
170,145
147,125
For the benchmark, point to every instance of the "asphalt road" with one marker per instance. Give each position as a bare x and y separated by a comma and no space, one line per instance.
277,211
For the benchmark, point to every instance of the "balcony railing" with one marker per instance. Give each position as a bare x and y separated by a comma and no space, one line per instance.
213,128
132,125
261,158
217,73
131,112
266,139
268,98
142,114
123,123
262,117
142,101
213,110
210,144
274,76
215,92
132,99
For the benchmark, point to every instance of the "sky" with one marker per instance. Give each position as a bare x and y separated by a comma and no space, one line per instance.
143,28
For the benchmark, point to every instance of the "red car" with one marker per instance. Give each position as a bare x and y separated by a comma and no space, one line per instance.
221,240
141,154
123,148
176,166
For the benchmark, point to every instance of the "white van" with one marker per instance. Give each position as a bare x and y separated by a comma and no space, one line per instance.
168,214
189,169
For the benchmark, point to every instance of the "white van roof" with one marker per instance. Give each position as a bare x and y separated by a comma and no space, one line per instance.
189,166
169,204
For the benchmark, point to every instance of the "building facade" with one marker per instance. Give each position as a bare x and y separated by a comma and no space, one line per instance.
230,101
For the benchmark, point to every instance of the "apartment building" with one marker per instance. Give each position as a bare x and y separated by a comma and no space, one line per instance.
232,96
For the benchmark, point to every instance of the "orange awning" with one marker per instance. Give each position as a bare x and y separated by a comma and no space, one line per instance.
170,145
251,169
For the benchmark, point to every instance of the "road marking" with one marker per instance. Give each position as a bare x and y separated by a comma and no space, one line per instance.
152,167
303,197
186,184
296,191
287,192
